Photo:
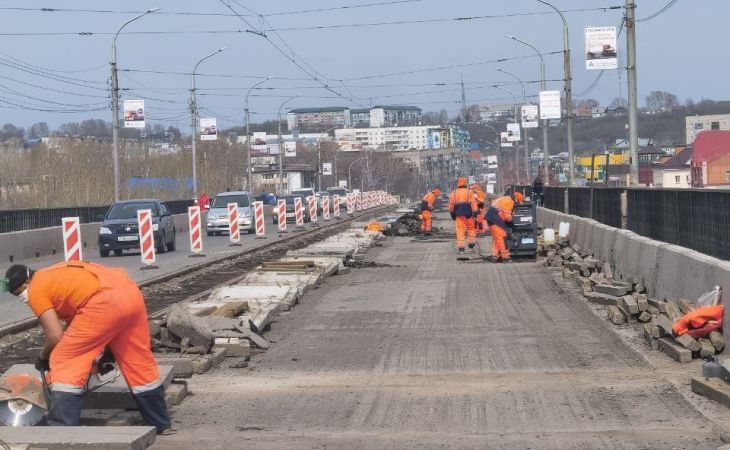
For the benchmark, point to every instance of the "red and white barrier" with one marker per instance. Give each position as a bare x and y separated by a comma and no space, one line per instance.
196,235
234,232
358,201
258,214
312,202
326,208
336,205
146,237
71,239
350,203
299,211
281,215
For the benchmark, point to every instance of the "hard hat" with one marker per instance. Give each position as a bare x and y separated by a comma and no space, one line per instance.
462,182
519,197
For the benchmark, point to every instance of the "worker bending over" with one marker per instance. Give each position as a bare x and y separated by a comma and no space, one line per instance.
101,307
463,209
499,219
481,198
427,205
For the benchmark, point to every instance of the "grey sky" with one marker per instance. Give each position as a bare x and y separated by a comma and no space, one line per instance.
680,51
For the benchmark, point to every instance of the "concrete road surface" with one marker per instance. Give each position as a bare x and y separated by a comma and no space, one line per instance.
430,353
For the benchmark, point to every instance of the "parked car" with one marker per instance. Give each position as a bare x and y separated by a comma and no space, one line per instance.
290,211
342,192
217,221
119,230
305,192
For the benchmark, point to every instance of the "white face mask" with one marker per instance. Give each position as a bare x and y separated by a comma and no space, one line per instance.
23,296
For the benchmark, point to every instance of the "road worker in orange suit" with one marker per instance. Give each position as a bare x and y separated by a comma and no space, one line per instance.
499,219
427,205
463,209
103,308
481,198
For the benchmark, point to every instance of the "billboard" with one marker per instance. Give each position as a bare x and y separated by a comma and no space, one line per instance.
208,129
491,178
492,162
133,113
550,107
326,168
601,48
290,148
258,144
273,149
504,140
529,116
513,132
433,140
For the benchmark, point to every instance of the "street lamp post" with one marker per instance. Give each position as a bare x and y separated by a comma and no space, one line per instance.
527,137
281,147
514,99
115,102
543,123
249,168
349,174
319,160
568,93
194,118
499,157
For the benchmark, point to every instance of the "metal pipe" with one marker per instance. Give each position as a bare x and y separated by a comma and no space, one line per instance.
115,102
194,118
249,167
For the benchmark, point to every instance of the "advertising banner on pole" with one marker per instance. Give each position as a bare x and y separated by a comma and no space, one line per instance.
208,129
290,148
492,162
504,140
133,113
273,149
529,116
258,144
513,132
550,105
326,168
601,48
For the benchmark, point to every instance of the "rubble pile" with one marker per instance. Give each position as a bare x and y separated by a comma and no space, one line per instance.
627,302
407,225
232,320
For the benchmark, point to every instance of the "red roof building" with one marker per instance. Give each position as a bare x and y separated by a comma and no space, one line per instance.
711,159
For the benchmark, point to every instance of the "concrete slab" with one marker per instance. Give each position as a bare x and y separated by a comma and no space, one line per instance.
112,396
327,265
300,280
286,296
80,438
712,388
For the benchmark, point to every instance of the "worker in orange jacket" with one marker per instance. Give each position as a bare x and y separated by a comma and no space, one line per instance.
427,205
481,198
499,219
463,209
102,308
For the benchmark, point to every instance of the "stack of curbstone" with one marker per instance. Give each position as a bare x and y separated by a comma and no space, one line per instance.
627,302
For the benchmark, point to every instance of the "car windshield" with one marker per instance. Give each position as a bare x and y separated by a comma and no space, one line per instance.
337,191
129,210
222,201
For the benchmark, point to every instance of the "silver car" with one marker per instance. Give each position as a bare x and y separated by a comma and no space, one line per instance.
217,221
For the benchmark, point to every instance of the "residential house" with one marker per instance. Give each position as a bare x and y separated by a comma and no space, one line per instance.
711,159
674,171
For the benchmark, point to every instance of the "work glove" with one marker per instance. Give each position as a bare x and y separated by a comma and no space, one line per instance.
105,363
42,365
453,216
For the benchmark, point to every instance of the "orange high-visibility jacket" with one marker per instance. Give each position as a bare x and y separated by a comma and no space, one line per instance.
480,197
504,206
428,202
462,202
698,318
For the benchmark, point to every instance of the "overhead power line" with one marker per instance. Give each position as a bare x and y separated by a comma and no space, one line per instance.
659,12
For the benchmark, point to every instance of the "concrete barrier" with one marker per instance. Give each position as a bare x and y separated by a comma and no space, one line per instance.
40,242
667,271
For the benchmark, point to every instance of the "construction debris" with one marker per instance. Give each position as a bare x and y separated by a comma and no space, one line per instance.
627,301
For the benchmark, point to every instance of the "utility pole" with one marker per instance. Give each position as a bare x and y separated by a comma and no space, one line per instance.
517,157
463,99
249,167
281,147
630,25
194,118
115,102
527,138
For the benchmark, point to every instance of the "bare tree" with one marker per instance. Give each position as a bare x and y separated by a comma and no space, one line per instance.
658,101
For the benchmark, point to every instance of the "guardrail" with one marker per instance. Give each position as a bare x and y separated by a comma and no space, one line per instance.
31,219
693,218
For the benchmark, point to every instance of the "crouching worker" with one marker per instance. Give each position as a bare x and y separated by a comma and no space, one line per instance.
499,219
102,308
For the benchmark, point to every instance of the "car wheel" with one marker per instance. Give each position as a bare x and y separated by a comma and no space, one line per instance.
210,233
117,252
171,245
161,245
103,253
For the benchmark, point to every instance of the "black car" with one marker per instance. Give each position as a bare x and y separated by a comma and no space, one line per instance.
119,230
290,212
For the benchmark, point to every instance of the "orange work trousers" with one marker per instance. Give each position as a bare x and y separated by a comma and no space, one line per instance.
464,226
427,221
499,249
481,226
116,317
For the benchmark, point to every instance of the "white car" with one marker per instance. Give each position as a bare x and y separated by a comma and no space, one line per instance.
217,220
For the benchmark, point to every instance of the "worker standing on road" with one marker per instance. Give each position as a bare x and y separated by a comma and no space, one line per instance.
427,205
204,202
463,209
481,198
101,307
499,219
537,191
